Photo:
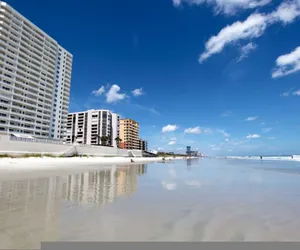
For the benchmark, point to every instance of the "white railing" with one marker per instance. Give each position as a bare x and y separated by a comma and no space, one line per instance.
14,138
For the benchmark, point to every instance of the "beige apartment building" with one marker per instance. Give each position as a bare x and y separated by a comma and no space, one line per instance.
129,134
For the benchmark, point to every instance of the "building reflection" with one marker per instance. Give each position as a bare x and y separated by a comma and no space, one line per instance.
103,186
190,162
30,210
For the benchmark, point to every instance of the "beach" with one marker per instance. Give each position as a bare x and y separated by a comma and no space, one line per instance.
40,163
43,166
181,200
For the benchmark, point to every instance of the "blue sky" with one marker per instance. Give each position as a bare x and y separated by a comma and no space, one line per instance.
219,75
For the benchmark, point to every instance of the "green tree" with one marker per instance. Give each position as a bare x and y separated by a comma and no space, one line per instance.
118,141
104,140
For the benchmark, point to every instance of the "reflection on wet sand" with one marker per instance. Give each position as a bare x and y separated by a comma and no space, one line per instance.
102,187
190,162
30,210
215,201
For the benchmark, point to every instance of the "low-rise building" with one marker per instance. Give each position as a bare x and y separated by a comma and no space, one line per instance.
93,127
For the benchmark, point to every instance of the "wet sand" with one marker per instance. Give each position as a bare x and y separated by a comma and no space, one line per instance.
187,200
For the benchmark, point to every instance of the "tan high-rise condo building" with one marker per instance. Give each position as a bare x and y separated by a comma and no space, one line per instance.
129,134
35,78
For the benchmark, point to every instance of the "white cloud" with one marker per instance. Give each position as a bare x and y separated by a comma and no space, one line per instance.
228,7
298,91
172,143
113,94
287,64
253,27
99,91
266,130
195,130
263,123
271,138
227,140
253,136
223,132
251,118
169,128
177,2
137,92
246,50
287,12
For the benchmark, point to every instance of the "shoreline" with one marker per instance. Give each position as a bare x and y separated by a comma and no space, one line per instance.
22,167
294,159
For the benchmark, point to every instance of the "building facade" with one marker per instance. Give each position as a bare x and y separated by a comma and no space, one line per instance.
35,78
89,127
129,134
143,145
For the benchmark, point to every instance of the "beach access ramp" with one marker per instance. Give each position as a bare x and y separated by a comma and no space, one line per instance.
131,154
70,151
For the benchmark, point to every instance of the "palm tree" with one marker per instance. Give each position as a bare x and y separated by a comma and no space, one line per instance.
104,140
118,140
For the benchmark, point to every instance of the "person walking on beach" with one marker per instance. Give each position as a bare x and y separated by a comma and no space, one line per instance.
261,157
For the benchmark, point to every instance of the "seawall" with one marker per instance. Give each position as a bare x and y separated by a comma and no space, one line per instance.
18,146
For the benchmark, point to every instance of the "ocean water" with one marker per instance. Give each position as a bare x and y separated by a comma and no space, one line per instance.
186,200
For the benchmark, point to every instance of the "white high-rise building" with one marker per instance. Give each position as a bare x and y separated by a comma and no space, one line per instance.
35,78
90,126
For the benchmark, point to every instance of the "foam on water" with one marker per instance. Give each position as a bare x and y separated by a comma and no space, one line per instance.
270,158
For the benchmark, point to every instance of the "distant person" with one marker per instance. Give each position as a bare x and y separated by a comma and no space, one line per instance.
131,160
292,157
261,157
